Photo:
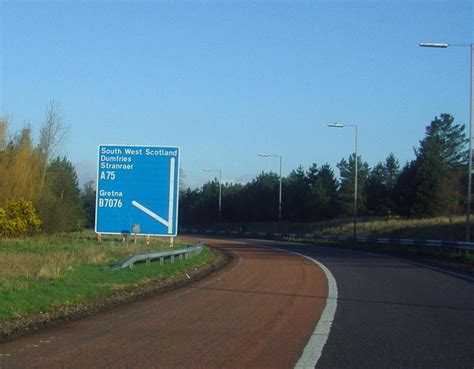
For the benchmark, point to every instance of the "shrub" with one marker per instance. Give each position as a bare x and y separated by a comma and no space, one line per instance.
18,218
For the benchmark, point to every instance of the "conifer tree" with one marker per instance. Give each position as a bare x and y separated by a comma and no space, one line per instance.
432,183
346,189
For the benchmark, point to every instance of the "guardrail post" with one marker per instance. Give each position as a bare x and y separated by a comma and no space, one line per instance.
172,259
162,261
148,261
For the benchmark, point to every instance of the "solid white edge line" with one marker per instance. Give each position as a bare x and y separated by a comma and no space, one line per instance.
314,348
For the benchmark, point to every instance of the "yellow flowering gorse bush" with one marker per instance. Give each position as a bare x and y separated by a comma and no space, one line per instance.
18,218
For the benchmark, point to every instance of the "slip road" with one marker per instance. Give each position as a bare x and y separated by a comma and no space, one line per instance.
258,312
261,311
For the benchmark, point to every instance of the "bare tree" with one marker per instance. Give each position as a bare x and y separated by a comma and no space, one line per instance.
182,185
53,134
3,132
3,155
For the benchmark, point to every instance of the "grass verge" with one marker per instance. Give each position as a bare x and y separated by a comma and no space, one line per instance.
439,228
41,274
441,257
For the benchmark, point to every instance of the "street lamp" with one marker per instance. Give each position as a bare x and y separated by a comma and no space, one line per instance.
471,108
338,125
279,195
220,191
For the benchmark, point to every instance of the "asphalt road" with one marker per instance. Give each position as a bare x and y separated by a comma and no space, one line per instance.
394,314
260,311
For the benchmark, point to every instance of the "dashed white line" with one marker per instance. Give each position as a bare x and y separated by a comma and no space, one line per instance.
41,342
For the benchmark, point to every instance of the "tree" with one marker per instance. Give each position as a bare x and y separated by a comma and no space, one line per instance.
187,202
18,167
376,191
392,171
53,133
209,201
60,206
29,174
346,188
323,195
3,133
432,183
404,191
260,198
380,186
448,139
199,206
3,157
295,202
182,176
439,160
232,203
88,197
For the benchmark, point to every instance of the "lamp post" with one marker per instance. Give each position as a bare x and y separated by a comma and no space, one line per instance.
220,191
279,195
471,108
337,125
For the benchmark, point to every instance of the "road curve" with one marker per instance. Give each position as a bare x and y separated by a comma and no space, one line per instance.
258,312
393,313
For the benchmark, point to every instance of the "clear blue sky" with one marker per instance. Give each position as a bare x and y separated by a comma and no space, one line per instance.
227,80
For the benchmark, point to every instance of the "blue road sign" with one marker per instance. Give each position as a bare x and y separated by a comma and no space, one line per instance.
137,190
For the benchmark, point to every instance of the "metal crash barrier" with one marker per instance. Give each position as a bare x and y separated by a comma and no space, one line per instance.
185,253
439,244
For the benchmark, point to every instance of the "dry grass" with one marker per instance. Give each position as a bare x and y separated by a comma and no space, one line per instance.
440,228
48,257
43,273
31,265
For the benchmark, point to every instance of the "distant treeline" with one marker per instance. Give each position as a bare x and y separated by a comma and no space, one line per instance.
434,183
39,190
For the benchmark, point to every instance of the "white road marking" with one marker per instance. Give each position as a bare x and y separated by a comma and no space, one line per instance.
32,345
314,348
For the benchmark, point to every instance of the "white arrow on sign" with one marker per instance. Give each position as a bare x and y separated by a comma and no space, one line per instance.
168,223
